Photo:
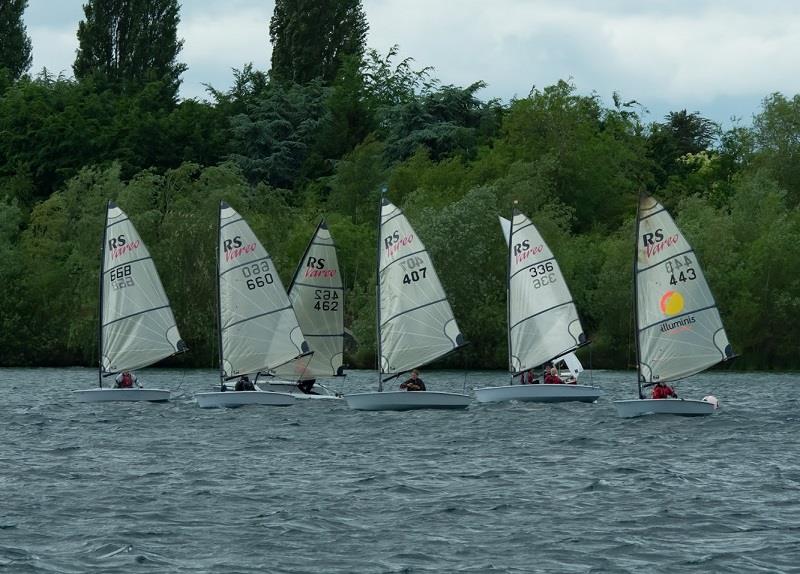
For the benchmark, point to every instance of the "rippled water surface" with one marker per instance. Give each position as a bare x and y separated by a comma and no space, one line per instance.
316,487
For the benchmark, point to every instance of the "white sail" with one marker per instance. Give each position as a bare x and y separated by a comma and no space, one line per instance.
543,322
415,322
679,328
137,325
317,296
258,327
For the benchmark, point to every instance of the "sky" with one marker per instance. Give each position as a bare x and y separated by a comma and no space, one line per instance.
716,57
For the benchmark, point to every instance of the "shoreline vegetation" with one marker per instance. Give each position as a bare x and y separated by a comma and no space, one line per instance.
302,141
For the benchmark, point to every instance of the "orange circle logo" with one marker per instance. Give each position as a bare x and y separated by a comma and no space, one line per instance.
671,303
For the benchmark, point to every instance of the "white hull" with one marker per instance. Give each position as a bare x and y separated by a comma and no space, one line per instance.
539,393
406,401
233,399
322,392
684,407
107,395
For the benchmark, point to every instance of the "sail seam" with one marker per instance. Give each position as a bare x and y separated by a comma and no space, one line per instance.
398,214
256,317
116,222
539,313
641,269
392,262
126,263
674,317
231,222
651,214
135,314
318,286
529,224
407,311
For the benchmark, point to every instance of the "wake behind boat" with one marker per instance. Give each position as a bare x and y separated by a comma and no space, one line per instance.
136,326
679,331
414,320
543,323
257,326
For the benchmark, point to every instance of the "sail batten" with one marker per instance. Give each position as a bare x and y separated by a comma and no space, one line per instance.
543,321
679,329
258,327
137,327
415,321
317,296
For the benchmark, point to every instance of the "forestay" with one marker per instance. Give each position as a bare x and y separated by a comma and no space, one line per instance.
679,328
258,327
137,325
317,296
415,322
543,322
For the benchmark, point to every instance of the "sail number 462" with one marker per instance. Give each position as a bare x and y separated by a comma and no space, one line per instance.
257,275
326,300
121,277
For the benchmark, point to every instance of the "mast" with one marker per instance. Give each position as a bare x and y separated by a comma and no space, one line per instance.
636,296
222,204
102,294
508,293
378,289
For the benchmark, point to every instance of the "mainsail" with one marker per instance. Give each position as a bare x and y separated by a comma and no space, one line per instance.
415,322
258,327
317,296
137,327
680,332
543,322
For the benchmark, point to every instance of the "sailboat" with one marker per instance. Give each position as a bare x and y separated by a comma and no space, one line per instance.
415,324
678,328
317,296
136,326
257,326
543,322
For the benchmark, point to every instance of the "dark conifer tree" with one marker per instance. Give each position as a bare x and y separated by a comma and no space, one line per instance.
310,38
128,43
15,44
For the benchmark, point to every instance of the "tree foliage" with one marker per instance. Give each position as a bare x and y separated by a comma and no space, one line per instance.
15,44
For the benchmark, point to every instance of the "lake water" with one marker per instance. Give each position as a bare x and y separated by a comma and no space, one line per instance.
316,487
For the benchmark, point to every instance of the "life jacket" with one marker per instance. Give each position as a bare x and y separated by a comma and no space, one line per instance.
662,392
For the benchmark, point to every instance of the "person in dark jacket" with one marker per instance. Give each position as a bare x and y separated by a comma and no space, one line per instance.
414,383
244,384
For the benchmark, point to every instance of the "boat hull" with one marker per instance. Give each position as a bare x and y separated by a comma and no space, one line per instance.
539,393
233,399
323,392
111,395
682,407
406,401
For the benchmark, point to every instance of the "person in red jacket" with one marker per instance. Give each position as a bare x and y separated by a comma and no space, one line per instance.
552,378
126,380
663,391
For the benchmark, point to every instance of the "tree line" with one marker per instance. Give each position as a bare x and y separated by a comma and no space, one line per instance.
318,135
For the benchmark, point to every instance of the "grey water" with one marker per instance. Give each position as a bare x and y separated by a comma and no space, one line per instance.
316,487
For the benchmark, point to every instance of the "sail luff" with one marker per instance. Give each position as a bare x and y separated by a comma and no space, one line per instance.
508,290
101,300
222,205
381,201
636,297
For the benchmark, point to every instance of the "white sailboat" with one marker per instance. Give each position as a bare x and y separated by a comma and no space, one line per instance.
136,327
257,326
317,296
543,323
415,323
679,331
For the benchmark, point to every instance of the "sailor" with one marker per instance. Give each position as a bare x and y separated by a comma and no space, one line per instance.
663,391
306,385
126,380
244,384
552,377
414,383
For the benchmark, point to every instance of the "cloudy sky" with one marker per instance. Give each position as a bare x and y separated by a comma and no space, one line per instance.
714,56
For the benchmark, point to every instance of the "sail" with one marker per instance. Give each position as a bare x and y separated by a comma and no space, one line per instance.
258,327
542,319
137,325
679,328
415,322
317,296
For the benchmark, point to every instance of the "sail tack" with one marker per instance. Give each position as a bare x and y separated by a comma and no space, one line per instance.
680,332
259,329
138,327
543,322
317,296
415,323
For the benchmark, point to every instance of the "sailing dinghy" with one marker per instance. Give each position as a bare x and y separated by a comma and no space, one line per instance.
257,326
415,323
679,331
136,327
543,323
317,296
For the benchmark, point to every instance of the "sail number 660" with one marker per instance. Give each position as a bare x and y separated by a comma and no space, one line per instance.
257,275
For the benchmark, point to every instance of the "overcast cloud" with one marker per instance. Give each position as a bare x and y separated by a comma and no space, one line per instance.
717,57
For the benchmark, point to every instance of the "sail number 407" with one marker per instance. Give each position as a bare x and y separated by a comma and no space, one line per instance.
326,300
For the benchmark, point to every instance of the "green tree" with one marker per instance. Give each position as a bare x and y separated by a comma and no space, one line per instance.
15,44
128,43
311,38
